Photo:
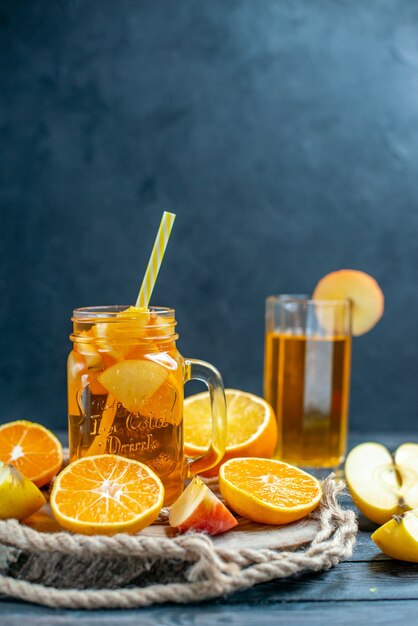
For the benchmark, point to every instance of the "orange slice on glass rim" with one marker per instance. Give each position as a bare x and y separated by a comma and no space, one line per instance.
363,292
252,426
32,449
268,491
106,494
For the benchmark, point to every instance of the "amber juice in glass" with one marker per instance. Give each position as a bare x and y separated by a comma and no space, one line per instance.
307,378
125,392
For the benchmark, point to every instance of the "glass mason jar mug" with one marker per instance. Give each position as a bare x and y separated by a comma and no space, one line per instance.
125,392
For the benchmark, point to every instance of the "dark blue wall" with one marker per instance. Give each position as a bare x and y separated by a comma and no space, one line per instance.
284,134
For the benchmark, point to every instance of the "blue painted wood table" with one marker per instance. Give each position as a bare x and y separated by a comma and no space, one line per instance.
367,589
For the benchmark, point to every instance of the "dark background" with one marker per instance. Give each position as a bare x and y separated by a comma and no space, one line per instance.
284,134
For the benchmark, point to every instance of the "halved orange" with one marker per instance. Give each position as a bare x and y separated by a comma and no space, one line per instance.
363,292
252,426
268,491
106,494
32,449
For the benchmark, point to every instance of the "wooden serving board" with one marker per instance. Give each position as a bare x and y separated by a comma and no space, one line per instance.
246,535
251,535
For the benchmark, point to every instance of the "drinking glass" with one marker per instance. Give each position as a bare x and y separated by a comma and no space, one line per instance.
307,377
125,392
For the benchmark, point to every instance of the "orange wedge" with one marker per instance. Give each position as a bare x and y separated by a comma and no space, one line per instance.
32,449
106,494
86,347
115,337
252,426
363,292
268,491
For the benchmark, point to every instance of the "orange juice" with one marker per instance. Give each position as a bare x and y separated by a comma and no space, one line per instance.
306,380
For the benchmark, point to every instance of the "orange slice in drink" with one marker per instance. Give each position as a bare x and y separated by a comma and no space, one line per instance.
106,494
131,382
252,426
268,491
86,347
117,338
365,295
32,449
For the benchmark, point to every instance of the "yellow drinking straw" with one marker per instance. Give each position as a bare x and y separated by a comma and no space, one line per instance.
108,416
155,260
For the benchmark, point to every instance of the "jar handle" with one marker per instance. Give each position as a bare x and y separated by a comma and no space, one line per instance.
205,372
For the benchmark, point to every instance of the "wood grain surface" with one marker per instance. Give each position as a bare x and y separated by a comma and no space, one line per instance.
367,589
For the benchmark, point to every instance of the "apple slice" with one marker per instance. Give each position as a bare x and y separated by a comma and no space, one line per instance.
133,381
361,290
200,510
373,481
382,485
398,538
406,461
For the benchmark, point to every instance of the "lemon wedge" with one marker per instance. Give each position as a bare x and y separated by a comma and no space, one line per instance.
398,538
19,496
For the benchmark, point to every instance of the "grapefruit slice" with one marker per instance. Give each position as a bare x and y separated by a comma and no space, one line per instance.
361,290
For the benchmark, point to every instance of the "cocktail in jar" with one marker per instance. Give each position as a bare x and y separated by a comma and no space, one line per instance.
125,392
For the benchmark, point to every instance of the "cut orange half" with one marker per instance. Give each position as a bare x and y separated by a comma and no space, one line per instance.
268,491
32,449
363,292
252,426
106,494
